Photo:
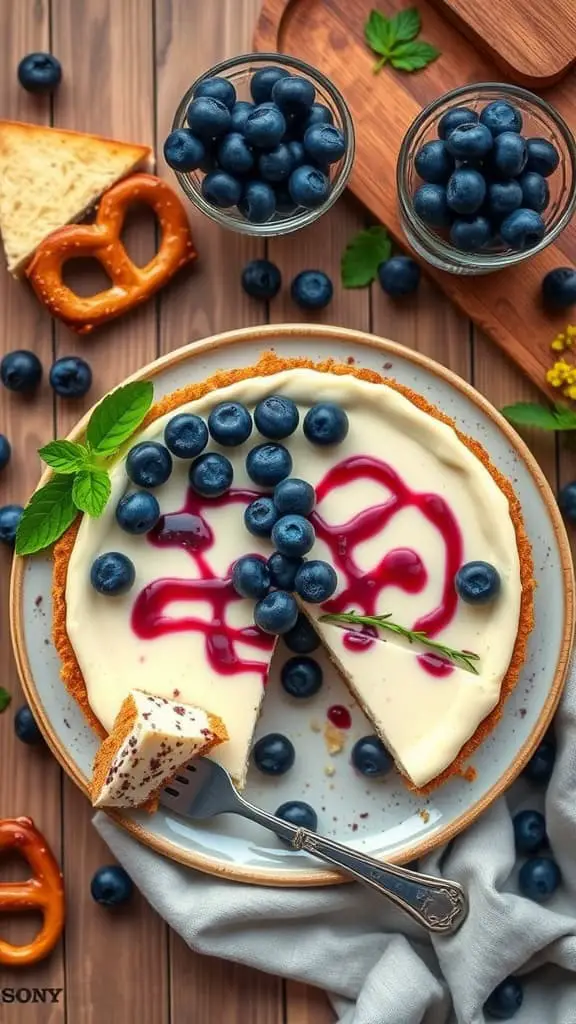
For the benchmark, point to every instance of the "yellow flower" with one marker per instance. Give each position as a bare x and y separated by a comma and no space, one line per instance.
558,344
571,330
570,391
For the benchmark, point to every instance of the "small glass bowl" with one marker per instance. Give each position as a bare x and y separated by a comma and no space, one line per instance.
239,71
539,120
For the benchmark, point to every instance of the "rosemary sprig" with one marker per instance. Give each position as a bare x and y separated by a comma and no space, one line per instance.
464,658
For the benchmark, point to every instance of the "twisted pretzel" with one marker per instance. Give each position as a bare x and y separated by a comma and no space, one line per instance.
131,284
44,891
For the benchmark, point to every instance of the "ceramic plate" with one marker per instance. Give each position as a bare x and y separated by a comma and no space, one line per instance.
381,816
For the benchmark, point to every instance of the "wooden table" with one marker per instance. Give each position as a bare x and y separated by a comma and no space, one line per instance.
126,64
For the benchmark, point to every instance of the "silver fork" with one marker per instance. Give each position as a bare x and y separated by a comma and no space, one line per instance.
204,789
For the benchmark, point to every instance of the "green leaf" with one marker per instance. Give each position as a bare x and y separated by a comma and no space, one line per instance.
378,33
118,416
413,56
405,25
47,515
5,699
565,417
532,414
64,456
91,491
363,255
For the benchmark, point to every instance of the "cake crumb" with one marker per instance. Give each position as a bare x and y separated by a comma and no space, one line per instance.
315,725
329,770
38,600
387,366
424,814
350,360
334,739
469,774
363,815
522,712
355,827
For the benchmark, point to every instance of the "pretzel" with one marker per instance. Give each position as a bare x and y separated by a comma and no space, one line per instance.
44,891
131,284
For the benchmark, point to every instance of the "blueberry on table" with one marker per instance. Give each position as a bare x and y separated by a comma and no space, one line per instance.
111,886
309,187
398,276
500,116
230,424
434,163
509,155
430,204
276,613
324,143
70,377
466,190
535,191
311,289
208,118
567,501
302,638
470,142
539,878
211,475
183,151
274,754
454,118
234,155
298,813
477,582
267,464
470,234
294,95
26,727
543,157
316,581
264,127
239,113
505,1000
5,451
283,569
276,164
149,464
370,757
260,516
293,536
541,764
186,435
21,371
251,577
218,89
559,292
522,229
221,189
325,423
112,574
10,516
301,676
263,81
258,202
294,496
503,198
276,417
318,114
261,279
39,72
529,831
138,512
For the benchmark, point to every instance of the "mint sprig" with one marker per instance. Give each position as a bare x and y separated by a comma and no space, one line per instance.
394,40
545,417
5,699
363,255
81,482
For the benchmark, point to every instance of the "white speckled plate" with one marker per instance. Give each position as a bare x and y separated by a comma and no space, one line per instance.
381,817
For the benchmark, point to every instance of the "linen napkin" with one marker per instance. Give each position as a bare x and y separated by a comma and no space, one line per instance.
377,966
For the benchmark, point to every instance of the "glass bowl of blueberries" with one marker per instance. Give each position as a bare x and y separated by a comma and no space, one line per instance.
262,143
485,178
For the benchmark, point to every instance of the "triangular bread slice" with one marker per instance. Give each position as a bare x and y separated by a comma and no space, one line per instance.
50,177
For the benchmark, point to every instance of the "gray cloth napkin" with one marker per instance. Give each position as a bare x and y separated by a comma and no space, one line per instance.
376,965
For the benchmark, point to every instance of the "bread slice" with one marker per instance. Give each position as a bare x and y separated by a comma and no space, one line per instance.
50,177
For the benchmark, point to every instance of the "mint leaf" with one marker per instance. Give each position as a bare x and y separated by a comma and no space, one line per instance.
64,456
565,417
5,699
363,255
47,515
405,25
118,416
532,414
91,491
413,56
378,33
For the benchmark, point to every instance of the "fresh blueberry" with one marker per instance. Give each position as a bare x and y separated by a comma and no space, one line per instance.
325,423
273,754
477,582
309,187
541,765
297,152
263,81
183,151
218,89
260,516
559,292
239,113
111,886
399,276
230,424
469,142
302,638
324,143
434,163
505,1000
261,279
535,191
539,878
251,577
523,229
268,464
466,190
70,377
454,118
298,813
39,72
294,497
265,127
293,536
234,154
138,512
294,95
5,451
543,157
283,571
311,289
276,613
26,727
112,574
211,475
501,116
221,189
208,118
276,417
301,676
149,464
258,202
284,202
529,831
470,233
567,496
503,197
318,114
316,581
277,164
431,206
370,757
186,435
509,155
10,516
21,371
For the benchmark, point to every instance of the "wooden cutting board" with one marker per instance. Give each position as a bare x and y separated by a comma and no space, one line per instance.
329,34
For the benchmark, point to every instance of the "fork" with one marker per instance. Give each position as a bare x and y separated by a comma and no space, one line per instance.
204,789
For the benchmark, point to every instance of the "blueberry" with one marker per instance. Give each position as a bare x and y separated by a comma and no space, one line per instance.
370,757
260,516
466,190
298,813
567,498
276,613
258,202
186,435
505,1000
10,516
543,157
294,95
234,154
239,113
311,289
274,754
324,143
316,581
276,164
501,116
221,189
183,151
268,464
293,536
539,878
523,229
70,377
399,276
112,574
302,638
454,118
301,676
541,764
208,118
309,187
431,206
434,163
263,81
5,451
503,197
325,423
138,512
283,570
294,496
559,292
250,577
317,114
230,424
261,279
276,417
265,127
111,886
297,152
149,464
477,582
535,191
39,72
211,475
21,371
217,88
284,202
529,831
470,233
469,142
509,155
26,727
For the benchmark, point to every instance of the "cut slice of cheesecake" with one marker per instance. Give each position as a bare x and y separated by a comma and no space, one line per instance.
152,738
50,177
